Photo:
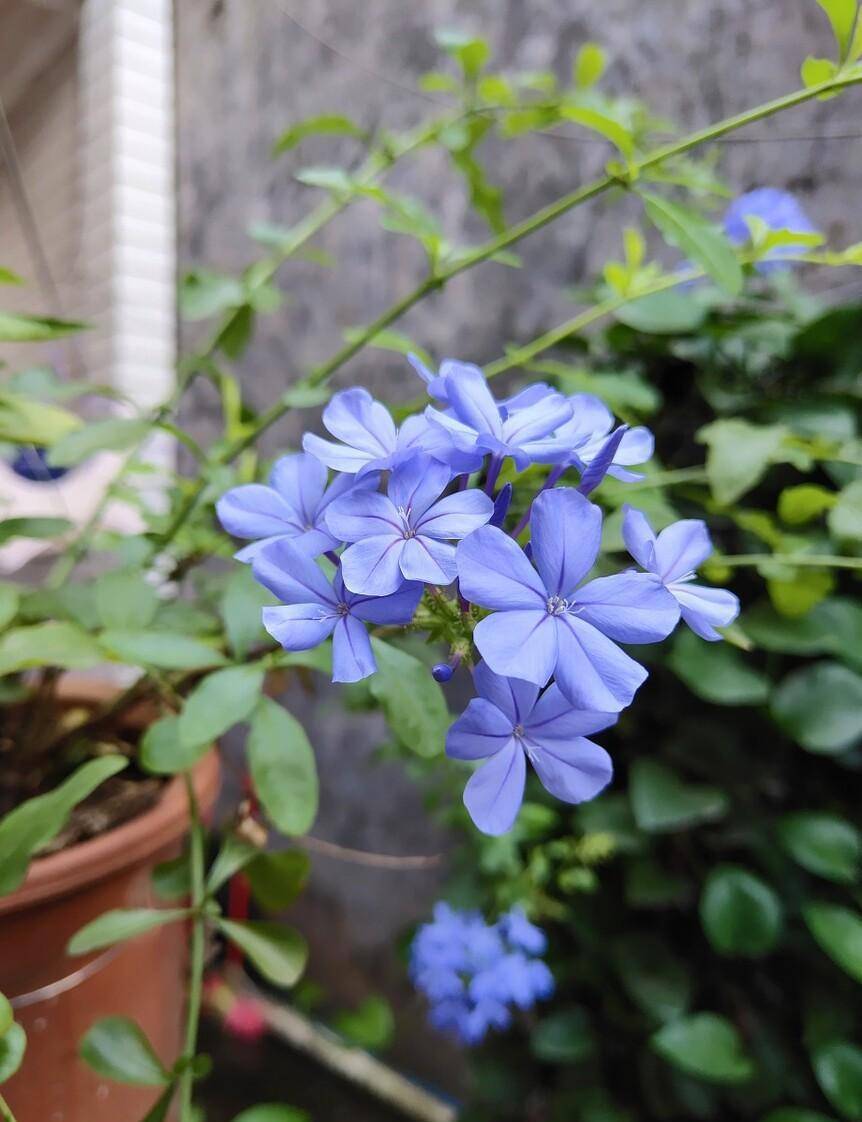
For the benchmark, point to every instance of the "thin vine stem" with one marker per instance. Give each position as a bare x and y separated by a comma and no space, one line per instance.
805,560
6,1114
197,953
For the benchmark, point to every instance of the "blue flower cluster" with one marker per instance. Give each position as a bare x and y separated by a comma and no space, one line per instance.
418,506
474,974
776,209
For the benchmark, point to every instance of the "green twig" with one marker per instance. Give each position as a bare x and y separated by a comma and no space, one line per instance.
196,964
6,1114
805,560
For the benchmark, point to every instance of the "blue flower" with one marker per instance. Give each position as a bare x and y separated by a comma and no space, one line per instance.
313,608
406,534
779,210
672,558
476,422
507,724
544,624
371,441
473,973
579,441
292,506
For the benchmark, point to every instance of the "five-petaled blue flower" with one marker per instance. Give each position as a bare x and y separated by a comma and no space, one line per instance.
672,557
509,723
292,506
581,439
473,973
544,624
779,210
406,534
313,608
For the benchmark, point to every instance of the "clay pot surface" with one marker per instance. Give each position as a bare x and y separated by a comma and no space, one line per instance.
57,998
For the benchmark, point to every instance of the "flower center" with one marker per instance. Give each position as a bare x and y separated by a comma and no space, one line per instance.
404,514
557,605
342,609
518,731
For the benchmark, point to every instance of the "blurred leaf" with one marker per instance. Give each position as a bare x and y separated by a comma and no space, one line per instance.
272,1112
32,824
277,879
589,65
797,594
10,600
816,71
120,924
700,241
663,313
820,707
741,915
48,644
739,454
470,52
236,333
832,627
824,844
8,277
241,607
838,1067
234,855
7,1015
662,803
654,978
413,703
13,1044
842,18
336,180
564,1037
33,528
796,1114
118,1049
390,341
716,672
166,650
305,397
800,504
117,434
125,600
278,952
331,124
25,421
839,932
283,768
172,879
218,702
845,517
371,1026
162,752
605,126
159,1111
706,1046
19,328
204,293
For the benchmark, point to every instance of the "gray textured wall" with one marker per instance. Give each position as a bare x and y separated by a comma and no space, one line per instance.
246,69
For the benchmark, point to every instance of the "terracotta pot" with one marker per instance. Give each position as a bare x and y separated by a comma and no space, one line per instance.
57,998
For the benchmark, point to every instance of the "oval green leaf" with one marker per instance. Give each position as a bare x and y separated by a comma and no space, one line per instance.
741,915
118,1049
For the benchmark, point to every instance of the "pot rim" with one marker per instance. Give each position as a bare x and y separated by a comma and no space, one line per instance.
132,842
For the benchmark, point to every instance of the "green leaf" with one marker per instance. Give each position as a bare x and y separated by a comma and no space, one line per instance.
717,672
700,241
8,277
302,396
120,924
241,607
204,294
801,504
118,1049
839,932
172,880
739,454
234,855
823,844
33,528
272,1112
331,124
796,1114
842,18
124,600
159,1110
162,752
832,627
48,644
370,1026
654,978
662,803
10,600
565,1037
116,434
7,1015
838,1067
663,313
390,341
470,52
30,826
165,650
820,707
278,952
741,915
283,768
277,879
605,126
412,702
589,65
218,702
19,328
801,591
336,180
24,421
13,1045
706,1046
845,517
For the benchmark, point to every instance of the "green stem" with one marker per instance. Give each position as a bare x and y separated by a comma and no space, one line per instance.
805,560
6,1114
668,478
198,947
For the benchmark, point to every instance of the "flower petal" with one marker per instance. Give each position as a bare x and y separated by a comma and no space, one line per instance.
354,417
566,534
520,644
592,671
636,447
494,793
337,456
534,421
428,560
704,608
300,479
352,657
456,516
574,770
363,514
254,510
512,696
299,627
291,575
343,485
371,566
399,608
472,402
629,607
639,538
415,485
494,571
555,718
480,731
681,547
